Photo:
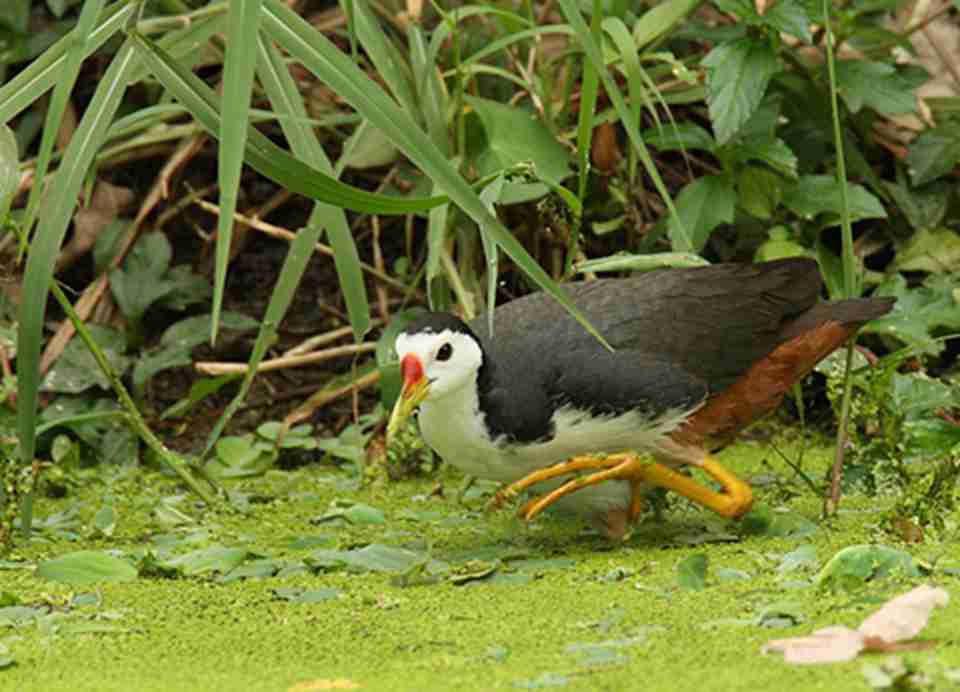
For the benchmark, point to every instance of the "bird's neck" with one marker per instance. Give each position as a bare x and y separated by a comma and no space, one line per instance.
453,424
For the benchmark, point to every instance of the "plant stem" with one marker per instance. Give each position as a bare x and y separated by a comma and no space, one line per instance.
174,461
836,473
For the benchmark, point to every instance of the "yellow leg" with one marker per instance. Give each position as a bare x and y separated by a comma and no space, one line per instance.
734,501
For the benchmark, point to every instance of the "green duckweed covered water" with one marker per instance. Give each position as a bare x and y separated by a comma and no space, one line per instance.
547,606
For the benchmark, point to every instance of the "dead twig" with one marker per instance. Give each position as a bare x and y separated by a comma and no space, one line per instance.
217,368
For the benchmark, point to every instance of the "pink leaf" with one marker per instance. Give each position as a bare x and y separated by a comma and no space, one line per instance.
899,619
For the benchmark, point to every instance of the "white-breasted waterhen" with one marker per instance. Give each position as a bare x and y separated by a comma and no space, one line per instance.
699,353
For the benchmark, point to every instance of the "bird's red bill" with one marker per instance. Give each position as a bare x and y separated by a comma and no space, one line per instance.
412,370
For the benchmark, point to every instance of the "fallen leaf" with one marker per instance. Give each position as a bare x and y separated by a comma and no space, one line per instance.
890,628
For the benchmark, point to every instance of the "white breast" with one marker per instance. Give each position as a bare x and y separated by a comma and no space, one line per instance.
453,427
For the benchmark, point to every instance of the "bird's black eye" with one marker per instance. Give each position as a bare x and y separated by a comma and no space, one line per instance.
445,352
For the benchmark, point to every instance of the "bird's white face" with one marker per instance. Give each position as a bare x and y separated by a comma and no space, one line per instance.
434,365
448,361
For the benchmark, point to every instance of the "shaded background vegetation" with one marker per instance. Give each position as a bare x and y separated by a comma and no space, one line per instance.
377,157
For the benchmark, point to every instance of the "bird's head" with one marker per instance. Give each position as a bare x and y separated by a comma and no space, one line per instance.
439,355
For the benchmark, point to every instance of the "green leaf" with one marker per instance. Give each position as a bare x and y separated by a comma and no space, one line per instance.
789,17
876,85
764,522
9,169
803,558
759,191
820,194
737,76
514,135
659,19
298,595
76,369
216,558
702,205
924,208
682,135
623,261
779,244
919,311
140,282
769,150
692,572
375,557
934,153
930,250
105,520
852,567
87,567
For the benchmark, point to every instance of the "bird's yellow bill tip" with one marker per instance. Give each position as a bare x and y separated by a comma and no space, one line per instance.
413,393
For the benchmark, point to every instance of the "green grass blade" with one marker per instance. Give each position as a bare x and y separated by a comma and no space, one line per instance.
286,100
243,23
262,154
390,64
301,249
336,69
58,104
42,74
45,246
592,49
589,91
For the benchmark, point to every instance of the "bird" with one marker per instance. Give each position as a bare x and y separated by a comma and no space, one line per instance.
692,356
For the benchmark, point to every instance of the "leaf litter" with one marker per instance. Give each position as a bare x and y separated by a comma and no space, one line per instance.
892,628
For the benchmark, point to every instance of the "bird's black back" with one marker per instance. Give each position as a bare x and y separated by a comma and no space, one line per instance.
679,335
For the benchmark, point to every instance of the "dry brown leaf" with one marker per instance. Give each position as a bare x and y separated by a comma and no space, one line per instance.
900,619
905,616
324,684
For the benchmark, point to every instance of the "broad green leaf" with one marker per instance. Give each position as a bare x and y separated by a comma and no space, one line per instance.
297,595
692,572
876,85
820,194
76,370
659,19
514,135
105,520
769,150
682,135
86,567
759,191
924,208
934,153
917,395
703,205
852,567
764,522
372,558
737,76
790,17
141,281
930,250
368,147
779,244
216,558
919,311
803,558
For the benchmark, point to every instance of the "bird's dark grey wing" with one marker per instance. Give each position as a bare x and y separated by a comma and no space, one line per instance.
520,399
625,380
713,322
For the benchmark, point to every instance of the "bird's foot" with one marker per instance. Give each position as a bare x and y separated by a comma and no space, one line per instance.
734,501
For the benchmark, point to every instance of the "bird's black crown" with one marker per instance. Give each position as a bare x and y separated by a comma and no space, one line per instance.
436,322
